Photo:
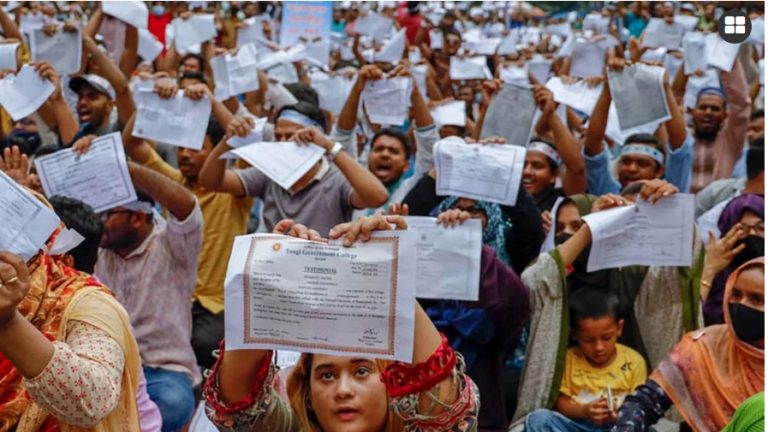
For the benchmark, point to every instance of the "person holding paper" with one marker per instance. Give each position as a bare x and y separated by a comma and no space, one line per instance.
711,372
561,271
598,363
742,228
642,155
389,157
720,120
326,195
153,265
543,159
69,362
333,393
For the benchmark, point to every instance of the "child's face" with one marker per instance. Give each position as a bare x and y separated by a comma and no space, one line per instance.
597,339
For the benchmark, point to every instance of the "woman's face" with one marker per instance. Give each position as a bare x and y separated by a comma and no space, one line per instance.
470,206
749,289
347,395
537,174
568,219
753,224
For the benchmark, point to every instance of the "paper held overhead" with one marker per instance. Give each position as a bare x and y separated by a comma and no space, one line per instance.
283,162
177,121
22,94
130,12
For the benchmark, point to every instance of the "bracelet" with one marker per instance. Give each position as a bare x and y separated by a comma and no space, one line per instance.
210,391
402,380
335,150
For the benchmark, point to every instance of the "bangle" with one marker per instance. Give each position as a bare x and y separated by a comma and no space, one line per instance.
335,150
402,380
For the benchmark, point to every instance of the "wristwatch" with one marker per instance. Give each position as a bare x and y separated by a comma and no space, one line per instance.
334,151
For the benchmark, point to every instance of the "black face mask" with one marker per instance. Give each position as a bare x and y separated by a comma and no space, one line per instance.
754,248
562,238
748,323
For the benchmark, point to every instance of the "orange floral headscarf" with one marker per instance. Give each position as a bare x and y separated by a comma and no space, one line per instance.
710,373
52,287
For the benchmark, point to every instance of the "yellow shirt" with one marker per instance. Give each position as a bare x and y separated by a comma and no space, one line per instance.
585,384
225,216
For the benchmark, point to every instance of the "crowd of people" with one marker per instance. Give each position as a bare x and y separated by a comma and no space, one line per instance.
124,332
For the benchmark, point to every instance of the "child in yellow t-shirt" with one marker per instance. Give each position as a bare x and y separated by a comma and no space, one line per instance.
599,373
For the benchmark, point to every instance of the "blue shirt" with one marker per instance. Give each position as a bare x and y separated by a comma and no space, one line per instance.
740,169
635,24
600,179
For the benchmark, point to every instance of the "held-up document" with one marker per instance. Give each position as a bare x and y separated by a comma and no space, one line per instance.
694,52
720,53
579,96
236,74
149,47
447,258
63,50
253,32
469,68
283,162
511,115
711,78
324,298
374,25
515,75
588,59
451,114
332,91
8,55
436,39
639,82
177,121
660,34
23,93
27,222
484,46
549,240
392,51
98,178
194,30
643,234
672,64
132,12
540,68
419,73
688,22
508,44
386,101
596,22
256,136
483,172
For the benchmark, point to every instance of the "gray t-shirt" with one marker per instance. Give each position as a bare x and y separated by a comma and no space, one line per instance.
321,205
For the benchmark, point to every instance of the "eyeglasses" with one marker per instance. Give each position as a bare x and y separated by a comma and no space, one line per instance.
105,215
758,228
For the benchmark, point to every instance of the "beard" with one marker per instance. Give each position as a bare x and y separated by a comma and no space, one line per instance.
707,135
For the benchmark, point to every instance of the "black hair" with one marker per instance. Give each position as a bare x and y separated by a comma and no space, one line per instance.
192,75
413,7
79,216
396,134
756,157
452,31
199,58
633,189
47,149
552,165
646,139
309,110
756,114
214,132
303,92
590,302
344,64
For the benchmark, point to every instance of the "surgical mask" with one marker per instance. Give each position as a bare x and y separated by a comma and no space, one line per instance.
754,248
748,323
158,10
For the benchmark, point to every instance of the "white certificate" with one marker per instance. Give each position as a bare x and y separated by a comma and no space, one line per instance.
283,162
694,52
131,12
711,78
253,32
374,25
194,30
23,93
63,50
177,121
596,22
386,101
287,293
469,68
436,39
639,82
392,51
256,135
688,22
588,59
540,69
579,96
149,47
452,113
515,75
27,222
508,45
482,172
332,91
8,55
236,74
660,34
549,240
447,258
720,53
98,178
643,234
512,115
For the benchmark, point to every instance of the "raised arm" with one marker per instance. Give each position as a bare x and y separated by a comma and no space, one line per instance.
737,93
598,121
65,121
348,115
167,192
112,73
215,176
220,112
675,126
9,27
575,180
94,23
130,57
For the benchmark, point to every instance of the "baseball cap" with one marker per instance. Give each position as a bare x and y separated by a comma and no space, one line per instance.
98,83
